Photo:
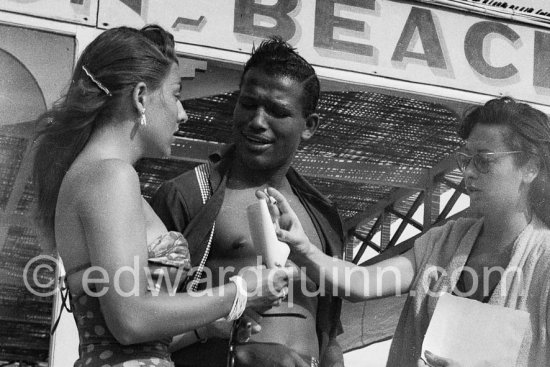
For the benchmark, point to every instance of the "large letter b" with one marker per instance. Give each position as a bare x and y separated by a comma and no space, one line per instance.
284,25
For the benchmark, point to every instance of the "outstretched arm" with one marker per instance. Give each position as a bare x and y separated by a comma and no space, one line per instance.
112,218
352,282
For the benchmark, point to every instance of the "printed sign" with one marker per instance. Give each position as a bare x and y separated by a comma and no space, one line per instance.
73,11
522,10
405,41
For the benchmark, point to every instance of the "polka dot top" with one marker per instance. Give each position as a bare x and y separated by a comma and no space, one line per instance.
98,347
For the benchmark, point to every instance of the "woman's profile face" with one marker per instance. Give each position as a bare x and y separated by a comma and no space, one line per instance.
164,112
501,187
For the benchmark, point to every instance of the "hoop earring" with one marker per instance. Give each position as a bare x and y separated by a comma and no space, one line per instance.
143,119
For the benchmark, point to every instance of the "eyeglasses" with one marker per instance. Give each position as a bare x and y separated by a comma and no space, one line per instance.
482,161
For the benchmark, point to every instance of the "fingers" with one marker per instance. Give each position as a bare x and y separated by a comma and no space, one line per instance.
282,203
282,235
283,294
254,319
292,264
288,273
262,195
252,315
436,361
299,361
274,211
243,330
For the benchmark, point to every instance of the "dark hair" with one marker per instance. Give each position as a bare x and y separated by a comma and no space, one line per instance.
276,57
106,73
528,130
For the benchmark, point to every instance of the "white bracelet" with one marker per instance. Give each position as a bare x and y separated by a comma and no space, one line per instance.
241,296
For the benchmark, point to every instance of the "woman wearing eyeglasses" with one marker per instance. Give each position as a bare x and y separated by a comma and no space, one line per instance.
505,162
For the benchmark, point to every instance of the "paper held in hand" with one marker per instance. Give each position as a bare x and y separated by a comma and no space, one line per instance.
474,333
274,252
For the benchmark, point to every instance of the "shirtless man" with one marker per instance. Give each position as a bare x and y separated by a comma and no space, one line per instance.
275,111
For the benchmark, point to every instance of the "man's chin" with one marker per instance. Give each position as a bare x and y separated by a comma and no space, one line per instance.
258,162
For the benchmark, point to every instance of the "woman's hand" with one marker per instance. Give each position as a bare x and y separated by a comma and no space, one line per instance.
287,225
435,361
249,324
266,287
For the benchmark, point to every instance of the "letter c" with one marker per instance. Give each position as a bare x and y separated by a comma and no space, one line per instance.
473,49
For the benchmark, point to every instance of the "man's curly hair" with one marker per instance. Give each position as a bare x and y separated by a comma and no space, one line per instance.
276,57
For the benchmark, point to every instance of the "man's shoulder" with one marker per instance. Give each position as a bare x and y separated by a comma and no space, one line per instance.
177,200
178,188
183,181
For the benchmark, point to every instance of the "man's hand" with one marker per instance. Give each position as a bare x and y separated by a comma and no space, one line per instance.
267,355
435,361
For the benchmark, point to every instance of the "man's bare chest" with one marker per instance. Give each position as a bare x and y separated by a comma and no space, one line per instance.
232,236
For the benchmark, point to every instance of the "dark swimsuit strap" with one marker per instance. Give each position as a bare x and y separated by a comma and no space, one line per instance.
66,294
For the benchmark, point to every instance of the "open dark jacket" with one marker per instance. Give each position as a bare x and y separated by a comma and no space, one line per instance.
178,203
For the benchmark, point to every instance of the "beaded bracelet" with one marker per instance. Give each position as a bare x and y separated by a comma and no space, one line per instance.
241,296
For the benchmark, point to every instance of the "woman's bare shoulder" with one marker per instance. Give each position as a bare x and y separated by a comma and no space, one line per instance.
89,181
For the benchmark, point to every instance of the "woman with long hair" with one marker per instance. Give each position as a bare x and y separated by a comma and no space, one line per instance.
505,162
123,105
